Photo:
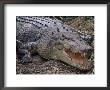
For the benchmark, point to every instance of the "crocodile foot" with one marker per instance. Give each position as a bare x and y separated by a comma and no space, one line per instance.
24,56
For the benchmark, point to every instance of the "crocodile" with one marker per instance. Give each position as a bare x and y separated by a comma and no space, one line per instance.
52,40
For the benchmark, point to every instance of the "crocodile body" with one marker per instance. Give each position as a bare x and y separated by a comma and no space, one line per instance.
51,39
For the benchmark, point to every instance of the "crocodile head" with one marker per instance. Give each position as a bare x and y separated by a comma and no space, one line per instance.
72,55
71,50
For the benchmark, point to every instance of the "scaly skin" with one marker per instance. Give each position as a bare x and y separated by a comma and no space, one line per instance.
51,39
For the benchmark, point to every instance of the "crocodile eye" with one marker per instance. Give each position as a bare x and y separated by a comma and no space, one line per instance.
59,46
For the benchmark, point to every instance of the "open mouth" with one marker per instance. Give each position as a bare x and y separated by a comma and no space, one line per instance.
79,59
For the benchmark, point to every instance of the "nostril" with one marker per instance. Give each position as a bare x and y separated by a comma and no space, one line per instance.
91,50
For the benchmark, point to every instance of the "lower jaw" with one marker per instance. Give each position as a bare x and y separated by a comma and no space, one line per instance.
79,66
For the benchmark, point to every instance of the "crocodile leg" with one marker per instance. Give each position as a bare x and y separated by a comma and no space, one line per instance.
24,56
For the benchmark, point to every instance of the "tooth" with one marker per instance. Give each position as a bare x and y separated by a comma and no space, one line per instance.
78,51
81,55
84,55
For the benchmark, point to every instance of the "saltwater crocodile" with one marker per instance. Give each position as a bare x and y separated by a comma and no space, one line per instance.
51,39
